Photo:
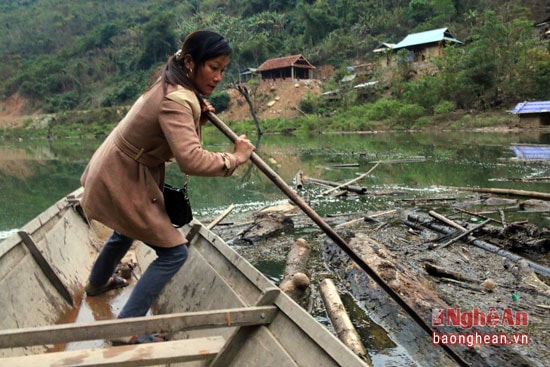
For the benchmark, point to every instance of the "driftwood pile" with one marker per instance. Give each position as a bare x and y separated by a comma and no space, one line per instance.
420,278
435,260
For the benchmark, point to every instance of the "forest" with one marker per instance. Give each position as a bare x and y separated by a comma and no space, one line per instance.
81,55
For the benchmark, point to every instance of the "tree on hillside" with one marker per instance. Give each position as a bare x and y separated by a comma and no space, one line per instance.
159,40
243,90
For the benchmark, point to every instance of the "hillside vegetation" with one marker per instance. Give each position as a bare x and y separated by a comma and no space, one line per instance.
60,56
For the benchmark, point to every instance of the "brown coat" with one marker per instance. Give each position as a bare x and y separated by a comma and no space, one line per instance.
123,180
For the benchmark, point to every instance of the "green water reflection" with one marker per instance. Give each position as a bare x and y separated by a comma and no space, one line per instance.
34,174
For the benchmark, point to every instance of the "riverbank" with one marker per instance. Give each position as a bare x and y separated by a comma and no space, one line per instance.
98,123
278,110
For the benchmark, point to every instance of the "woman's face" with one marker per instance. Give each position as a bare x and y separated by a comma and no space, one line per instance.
206,77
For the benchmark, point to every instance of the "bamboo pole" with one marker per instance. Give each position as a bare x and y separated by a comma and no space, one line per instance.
446,220
331,233
351,181
464,234
357,189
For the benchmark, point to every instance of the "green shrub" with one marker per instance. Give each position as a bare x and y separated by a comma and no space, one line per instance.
410,111
307,105
220,101
381,109
444,107
422,122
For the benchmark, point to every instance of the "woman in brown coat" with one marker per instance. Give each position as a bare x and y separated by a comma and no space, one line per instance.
123,181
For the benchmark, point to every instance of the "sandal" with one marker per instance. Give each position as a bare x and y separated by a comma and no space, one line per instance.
139,339
114,282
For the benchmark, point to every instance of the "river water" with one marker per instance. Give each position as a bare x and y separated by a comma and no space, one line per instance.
34,174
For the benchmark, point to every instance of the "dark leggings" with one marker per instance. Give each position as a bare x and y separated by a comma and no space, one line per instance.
169,260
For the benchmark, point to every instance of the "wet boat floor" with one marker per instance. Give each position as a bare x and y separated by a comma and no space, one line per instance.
105,306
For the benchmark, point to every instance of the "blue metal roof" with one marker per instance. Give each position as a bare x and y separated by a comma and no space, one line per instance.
422,38
531,107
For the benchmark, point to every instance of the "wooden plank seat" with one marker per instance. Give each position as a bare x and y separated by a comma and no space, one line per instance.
128,355
107,329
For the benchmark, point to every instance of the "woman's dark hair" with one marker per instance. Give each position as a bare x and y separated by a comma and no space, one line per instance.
202,46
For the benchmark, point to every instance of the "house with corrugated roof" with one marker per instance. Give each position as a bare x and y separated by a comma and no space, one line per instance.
384,53
533,114
288,67
247,74
423,46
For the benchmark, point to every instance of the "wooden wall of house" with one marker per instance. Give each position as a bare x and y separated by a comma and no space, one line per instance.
432,51
534,120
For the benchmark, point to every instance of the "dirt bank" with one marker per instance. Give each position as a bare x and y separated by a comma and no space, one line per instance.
271,99
12,111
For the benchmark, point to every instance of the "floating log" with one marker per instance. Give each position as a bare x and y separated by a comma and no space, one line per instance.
537,268
415,200
340,319
351,181
357,189
299,180
533,194
439,271
410,284
417,291
341,165
526,179
220,217
266,224
368,218
295,281
464,234
404,160
446,220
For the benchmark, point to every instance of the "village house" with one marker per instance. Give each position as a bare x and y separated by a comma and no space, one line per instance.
422,47
384,52
247,74
293,67
533,114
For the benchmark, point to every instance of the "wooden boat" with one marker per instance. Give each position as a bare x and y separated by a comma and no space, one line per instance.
219,309
531,151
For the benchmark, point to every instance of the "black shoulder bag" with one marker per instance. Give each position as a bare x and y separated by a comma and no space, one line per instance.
177,204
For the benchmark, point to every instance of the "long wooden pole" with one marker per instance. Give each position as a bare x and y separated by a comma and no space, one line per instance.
331,233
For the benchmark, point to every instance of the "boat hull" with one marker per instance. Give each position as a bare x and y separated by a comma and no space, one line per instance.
214,281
